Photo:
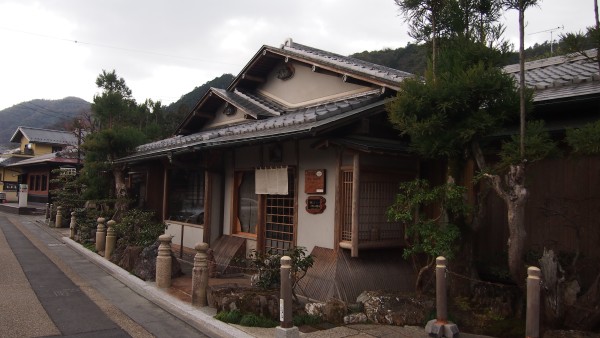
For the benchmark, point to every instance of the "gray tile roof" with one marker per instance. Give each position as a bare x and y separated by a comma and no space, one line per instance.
352,65
38,135
560,77
249,105
298,122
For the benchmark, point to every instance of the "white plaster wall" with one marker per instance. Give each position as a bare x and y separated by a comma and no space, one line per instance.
317,229
307,87
174,229
192,235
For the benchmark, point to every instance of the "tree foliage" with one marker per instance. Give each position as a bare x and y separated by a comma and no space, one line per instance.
470,99
428,235
538,145
585,140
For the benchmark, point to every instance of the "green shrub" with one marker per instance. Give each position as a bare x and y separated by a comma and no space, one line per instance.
138,227
306,319
268,266
253,320
231,317
249,319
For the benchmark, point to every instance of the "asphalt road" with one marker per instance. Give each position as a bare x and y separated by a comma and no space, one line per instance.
47,289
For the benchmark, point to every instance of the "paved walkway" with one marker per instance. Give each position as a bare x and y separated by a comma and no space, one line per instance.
202,318
58,292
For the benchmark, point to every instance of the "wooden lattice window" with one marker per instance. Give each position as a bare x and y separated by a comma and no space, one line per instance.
280,219
346,205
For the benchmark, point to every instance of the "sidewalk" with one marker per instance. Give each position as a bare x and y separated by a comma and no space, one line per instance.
177,301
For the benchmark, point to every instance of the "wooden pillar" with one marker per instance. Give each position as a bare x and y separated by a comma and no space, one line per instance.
355,200
532,321
286,326
441,327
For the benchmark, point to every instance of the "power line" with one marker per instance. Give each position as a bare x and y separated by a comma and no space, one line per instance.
58,115
116,47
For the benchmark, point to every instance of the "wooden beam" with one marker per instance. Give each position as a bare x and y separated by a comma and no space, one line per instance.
253,78
203,115
207,207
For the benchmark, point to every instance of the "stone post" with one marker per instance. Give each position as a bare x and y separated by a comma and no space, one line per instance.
532,321
440,327
50,222
286,326
200,275
47,211
111,239
163,262
58,223
72,225
100,235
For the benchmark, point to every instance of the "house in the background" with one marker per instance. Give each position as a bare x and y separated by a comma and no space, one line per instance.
297,151
40,151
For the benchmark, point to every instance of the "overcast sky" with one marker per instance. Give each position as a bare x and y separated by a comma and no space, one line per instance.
51,49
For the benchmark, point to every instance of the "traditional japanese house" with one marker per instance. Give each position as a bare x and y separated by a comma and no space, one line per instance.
297,151
39,153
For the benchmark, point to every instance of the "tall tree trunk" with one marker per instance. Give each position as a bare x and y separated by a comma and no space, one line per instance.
120,191
522,76
514,194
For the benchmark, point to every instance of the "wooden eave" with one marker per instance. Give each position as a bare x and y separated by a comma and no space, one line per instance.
256,71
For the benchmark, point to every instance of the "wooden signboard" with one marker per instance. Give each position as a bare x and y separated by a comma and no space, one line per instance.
315,204
314,181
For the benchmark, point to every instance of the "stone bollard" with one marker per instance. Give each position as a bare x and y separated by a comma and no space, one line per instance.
200,275
286,326
163,262
532,321
50,222
100,235
72,225
58,223
440,327
111,239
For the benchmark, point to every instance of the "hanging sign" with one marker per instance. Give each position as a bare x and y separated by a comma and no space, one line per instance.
314,181
315,204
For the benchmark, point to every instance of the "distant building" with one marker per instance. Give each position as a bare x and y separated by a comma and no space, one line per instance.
40,151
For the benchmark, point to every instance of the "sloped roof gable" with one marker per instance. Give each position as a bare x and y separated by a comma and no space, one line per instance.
242,92
47,136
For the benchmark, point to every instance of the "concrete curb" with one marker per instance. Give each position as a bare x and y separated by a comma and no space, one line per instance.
200,318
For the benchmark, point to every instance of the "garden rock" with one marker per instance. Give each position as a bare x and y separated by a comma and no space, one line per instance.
227,297
334,311
395,309
314,309
355,318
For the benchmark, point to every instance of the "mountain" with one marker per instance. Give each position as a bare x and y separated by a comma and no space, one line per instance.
50,114
187,102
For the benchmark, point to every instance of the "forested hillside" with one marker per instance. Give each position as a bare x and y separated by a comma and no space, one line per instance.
413,57
52,114
187,102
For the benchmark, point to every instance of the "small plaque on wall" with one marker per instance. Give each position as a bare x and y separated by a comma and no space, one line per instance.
314,181
315,204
